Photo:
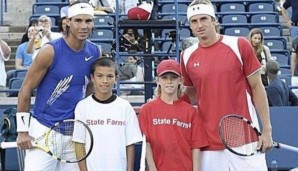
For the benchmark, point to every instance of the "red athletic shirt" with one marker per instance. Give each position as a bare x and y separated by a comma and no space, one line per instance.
219,74
172,131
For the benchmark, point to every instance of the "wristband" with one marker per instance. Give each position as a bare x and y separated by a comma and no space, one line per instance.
23,121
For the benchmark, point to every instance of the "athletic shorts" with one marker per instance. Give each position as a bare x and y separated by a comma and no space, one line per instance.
224,160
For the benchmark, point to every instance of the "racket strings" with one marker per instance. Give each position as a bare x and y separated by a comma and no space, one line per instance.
239,135
61,142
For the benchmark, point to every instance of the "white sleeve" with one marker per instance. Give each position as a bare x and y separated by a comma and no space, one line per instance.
79,133
132,130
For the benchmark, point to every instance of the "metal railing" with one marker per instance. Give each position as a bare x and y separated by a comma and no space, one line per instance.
3,8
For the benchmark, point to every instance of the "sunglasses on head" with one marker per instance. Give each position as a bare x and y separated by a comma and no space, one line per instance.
43,20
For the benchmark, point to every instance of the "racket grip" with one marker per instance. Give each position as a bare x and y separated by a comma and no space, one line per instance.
5,145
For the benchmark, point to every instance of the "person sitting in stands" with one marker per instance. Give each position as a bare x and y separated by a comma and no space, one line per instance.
42,35
23,59
278,92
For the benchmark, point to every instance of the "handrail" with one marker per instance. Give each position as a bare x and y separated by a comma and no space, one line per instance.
1,12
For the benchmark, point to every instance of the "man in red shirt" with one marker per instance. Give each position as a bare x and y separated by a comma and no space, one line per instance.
222,74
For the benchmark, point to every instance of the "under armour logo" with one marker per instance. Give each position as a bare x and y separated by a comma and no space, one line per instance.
196,64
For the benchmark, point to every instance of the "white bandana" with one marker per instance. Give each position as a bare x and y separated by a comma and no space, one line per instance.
80,8
200,9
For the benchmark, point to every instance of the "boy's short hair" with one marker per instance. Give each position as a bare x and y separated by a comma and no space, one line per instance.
272,67
104,62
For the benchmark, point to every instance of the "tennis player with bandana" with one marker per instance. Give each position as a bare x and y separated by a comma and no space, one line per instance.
222,74
60,74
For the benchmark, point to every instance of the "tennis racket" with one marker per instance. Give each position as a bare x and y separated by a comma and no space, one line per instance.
241,137
68,141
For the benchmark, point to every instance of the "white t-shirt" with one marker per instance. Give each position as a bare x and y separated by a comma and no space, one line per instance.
2,69
114,126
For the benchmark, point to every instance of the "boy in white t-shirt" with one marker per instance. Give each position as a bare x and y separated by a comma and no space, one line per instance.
112,120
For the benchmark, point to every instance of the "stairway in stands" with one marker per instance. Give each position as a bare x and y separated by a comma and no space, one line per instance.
12,35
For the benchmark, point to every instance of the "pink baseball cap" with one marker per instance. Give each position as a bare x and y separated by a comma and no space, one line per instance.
168,66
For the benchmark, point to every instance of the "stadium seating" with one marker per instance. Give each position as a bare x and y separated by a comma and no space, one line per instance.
271,31
237,31
282,58
275,43
286,78
46,10
50,1
261,7
227,19
103,21
285,70
182,18
232,7
99,35
106,47
170,8
264,18
21,73
14,84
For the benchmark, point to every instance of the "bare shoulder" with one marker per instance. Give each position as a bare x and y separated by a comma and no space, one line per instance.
45,56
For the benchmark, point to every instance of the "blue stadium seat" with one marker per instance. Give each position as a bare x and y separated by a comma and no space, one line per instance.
232,7
106,47
261,7
282,58
48,1
46,10
275,43
264,18
182,18
184,33
15,83
170,8
236,31
234,19
102,35
286,78
102,21
285,70
271,31
21,73
166,45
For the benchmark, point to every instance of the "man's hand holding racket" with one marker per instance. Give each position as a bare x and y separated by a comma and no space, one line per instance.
265,140
24,141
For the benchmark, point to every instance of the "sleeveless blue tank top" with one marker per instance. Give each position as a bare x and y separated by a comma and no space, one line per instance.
65,82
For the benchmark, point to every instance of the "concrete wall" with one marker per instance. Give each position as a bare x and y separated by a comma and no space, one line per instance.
18,12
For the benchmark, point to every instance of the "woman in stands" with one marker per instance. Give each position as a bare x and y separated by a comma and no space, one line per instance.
256,38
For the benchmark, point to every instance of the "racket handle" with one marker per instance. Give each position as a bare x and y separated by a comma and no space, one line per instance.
286,147
5,145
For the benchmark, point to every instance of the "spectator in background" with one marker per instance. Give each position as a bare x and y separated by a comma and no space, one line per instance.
187,42
62,26
278,92
256,38
5,52
131,41
64,10
132,71
294,57
25,37
42,35
294,64
292,22
109,6
23,59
